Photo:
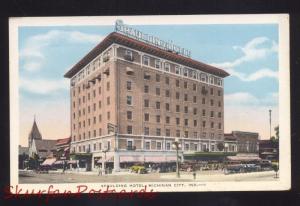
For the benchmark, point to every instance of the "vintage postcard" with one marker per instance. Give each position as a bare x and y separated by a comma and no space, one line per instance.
149,103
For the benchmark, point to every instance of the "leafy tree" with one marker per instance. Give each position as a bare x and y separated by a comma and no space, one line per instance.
276,137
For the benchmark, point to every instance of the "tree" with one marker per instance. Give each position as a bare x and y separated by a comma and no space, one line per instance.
276,137
220,146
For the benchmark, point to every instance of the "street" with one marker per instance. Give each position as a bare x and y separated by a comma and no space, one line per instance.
88,177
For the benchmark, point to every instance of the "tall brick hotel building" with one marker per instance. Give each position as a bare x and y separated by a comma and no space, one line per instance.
150,93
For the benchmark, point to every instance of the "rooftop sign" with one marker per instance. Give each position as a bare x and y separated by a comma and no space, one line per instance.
120,27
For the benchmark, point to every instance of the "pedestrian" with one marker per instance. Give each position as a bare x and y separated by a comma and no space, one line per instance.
99,171
194,175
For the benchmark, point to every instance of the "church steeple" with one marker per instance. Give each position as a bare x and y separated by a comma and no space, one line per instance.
34,133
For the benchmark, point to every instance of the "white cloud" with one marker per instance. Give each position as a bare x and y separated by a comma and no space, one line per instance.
43,86
245,98
259,74
257,48
33,52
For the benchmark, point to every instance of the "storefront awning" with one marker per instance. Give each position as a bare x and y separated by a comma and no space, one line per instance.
155,159
243,158
131,159
48,162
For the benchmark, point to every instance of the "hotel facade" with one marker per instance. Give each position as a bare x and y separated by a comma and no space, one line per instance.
130,100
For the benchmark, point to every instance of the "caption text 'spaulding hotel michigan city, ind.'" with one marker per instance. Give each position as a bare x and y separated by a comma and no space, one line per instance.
134,95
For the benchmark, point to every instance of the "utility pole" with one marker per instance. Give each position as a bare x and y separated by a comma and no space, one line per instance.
270,116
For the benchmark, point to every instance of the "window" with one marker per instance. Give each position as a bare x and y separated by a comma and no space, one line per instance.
219,114
158,118
211,113
177,133
177,70
203,100
100,133
177,82
107,101
212,125
158,131
129,115
195,123
146,131
185,72
99,90
129,100
195,111
167,93
168,133
146,89
147,76
194,87
167,106
157,105
194,75
167,67
157,91
178,121
100,118
107,86
129,85
147,146
204,124
157,64
203,112
94,133
195,136
94,121
108,115
83,99
186,134
129,144
146,103
128,55
195,99
186,122
167,120
177,108
168,146
146,115
185,85
203,77
158,145
177,95
185,97
167,80
219,104
204,135
94,94
146,60
220,126
219,92
129,129
186,109
157,77
211,102
211,91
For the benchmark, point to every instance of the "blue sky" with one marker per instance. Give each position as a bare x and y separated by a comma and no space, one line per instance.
248,52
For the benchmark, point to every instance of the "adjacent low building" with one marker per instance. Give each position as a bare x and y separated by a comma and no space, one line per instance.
269,149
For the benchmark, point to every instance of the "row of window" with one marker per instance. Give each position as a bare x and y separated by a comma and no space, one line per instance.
178,133
158,145
177,83
184,71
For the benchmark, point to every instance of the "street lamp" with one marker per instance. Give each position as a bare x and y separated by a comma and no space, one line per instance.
176,145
